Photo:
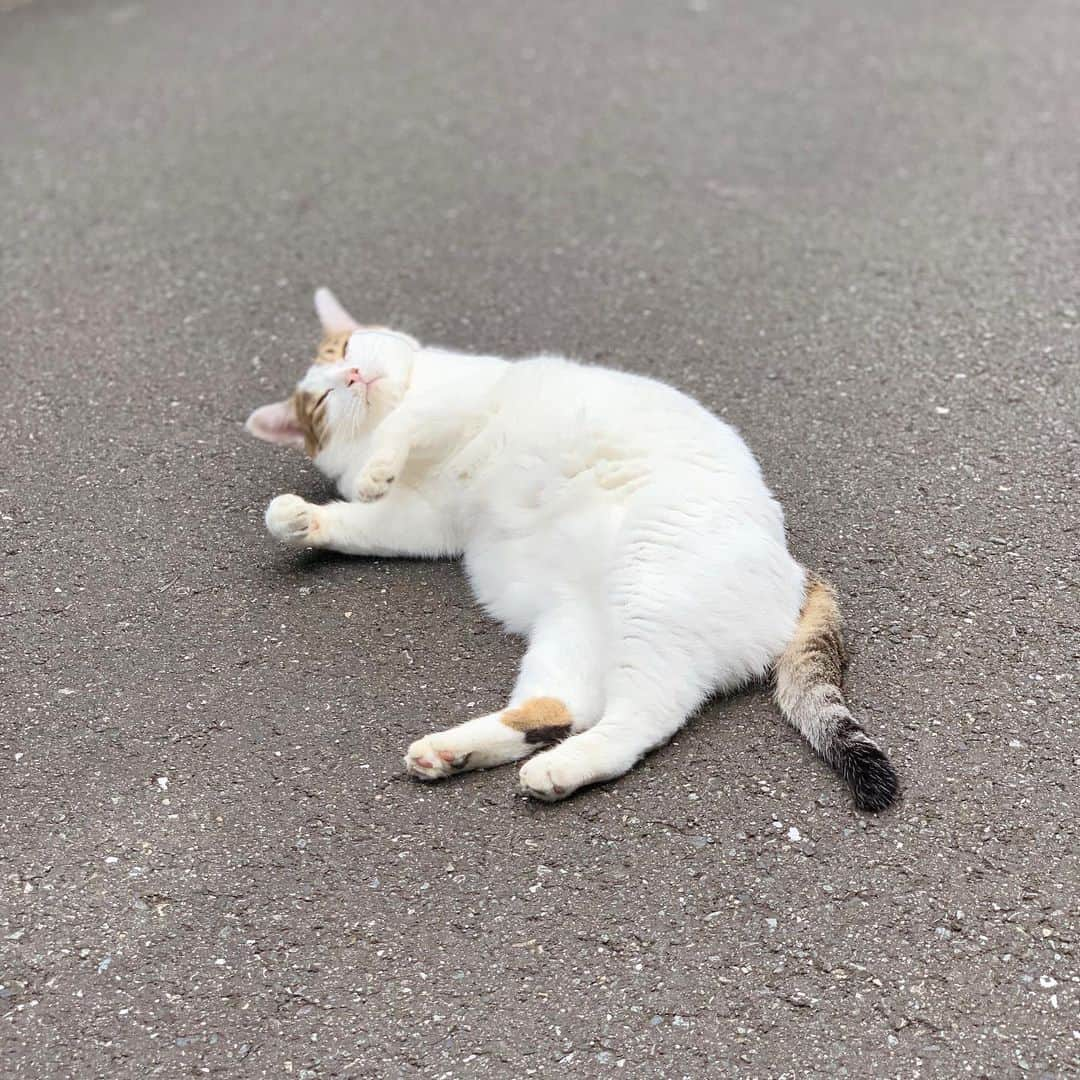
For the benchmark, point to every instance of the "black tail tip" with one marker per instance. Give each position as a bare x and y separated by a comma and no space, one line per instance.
869,773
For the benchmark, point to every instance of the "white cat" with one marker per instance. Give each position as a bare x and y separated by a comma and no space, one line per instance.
610,519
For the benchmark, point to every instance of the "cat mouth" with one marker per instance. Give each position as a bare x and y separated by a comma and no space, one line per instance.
367,384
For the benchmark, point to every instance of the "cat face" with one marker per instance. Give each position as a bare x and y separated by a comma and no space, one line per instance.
358,375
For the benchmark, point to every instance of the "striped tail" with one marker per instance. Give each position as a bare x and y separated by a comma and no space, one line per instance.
809,678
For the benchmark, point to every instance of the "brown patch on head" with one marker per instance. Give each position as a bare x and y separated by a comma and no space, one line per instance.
334,342
332,347
310,412
540,720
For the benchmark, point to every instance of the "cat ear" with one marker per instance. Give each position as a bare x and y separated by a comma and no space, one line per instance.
334,318
276,423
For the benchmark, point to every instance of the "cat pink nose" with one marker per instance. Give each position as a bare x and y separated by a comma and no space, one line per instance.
353,376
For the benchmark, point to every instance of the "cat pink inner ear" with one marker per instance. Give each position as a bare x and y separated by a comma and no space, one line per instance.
334,318
276,424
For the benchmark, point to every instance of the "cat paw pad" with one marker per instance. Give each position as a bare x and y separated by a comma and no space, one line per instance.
292,520
426,762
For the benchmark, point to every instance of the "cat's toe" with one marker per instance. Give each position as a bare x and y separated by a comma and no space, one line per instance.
546,777
371,488
292,520
426,762
370,492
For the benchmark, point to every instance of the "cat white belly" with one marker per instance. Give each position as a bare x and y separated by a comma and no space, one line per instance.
583,478
545,539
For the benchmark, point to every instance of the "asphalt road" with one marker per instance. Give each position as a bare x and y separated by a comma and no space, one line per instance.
851,229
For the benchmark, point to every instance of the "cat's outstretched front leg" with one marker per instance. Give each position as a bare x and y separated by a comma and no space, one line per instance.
405,524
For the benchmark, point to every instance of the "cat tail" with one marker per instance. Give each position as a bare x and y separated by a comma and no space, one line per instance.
809,680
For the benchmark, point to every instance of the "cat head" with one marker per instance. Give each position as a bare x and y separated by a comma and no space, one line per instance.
357,377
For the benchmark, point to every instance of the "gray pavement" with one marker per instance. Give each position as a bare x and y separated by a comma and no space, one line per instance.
852,229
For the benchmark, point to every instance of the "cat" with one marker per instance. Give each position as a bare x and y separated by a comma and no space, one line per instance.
610,519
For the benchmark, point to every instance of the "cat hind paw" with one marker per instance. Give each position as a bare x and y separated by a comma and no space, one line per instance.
551,777
425,762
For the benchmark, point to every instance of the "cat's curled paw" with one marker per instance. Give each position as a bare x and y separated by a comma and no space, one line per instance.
293,520
375,480
425,761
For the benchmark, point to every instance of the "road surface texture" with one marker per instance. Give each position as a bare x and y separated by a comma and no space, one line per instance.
853,230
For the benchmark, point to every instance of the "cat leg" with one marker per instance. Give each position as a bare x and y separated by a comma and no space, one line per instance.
480,743
404,524
558,692
623,736
410,430
666,658
381,469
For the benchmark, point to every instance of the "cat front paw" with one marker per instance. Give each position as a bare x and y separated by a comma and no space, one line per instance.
375,480
293,521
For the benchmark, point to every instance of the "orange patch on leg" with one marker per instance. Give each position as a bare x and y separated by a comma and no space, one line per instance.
537,712
540,720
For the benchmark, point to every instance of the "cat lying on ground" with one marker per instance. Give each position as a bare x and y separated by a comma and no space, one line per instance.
625,531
